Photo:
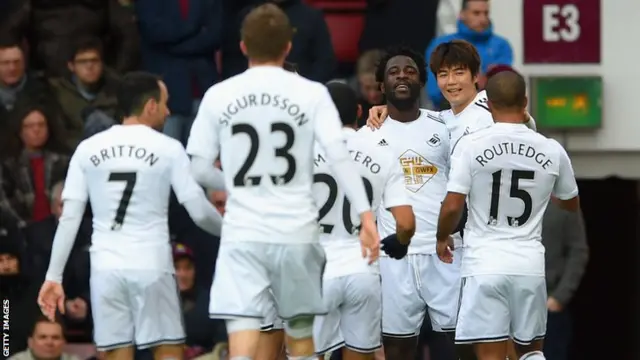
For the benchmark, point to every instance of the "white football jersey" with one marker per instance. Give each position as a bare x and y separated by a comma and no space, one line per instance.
126,173
474,117
422,149
264,123
508,173
384,182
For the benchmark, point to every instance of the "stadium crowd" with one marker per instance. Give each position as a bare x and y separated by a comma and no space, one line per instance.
60,63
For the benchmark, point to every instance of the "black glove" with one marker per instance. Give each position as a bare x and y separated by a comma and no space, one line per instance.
393,247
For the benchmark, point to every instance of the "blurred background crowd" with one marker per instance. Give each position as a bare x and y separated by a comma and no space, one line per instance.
60,62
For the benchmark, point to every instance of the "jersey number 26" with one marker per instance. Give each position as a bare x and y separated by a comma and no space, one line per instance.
331,200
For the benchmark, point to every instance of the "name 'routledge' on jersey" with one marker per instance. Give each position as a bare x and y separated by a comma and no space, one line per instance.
265,121
509,173
383,179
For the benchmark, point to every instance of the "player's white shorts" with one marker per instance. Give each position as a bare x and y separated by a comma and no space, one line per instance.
271,320
355,314
499,307
140,307
415,284
251,276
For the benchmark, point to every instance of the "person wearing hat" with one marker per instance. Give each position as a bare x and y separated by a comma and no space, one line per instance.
202,333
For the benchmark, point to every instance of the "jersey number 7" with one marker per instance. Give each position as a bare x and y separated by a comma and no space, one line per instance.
514,192
130,182
331,200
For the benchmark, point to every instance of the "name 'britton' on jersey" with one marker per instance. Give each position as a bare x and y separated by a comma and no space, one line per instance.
124,151
264,99
512,148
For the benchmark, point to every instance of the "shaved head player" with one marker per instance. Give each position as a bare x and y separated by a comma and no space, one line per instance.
508,172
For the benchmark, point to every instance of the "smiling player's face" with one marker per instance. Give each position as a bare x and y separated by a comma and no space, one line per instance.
402,81
457,84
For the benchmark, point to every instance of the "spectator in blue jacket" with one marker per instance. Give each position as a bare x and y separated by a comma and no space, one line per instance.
179,39
474,26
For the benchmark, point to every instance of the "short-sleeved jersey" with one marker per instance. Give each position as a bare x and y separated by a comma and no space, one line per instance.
422,149
263,123
384,183
126,173
508,173
474,117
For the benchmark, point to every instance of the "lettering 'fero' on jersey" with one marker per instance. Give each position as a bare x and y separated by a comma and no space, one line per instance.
508,173
422,148
264,123
126,173
384,182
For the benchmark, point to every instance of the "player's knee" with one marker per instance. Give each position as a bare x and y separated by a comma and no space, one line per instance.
300,327
534,355
237,325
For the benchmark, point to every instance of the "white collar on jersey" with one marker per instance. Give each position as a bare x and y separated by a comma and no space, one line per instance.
504,124
348,131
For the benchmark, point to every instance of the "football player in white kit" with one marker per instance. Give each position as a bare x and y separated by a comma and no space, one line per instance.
455,65
263,123
351,287
126,173
419,141
507,173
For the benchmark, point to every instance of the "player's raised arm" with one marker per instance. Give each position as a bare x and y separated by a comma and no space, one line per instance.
191,196
204,146
566,187
328,130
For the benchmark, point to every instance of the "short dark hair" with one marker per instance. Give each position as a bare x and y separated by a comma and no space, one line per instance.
466,2
402,51
455,53
266,32
8,42
85,44
345,100
507,90
43,319
135,89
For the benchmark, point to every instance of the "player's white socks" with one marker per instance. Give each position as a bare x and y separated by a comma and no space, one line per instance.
534,355
240,358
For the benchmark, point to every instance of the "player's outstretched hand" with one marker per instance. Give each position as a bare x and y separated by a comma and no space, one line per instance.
377,115
393,247
50,298
445,248
369,238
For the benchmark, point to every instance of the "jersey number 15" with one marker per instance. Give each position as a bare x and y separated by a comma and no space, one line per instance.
514,192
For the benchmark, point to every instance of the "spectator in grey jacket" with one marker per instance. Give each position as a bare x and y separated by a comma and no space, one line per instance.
567,253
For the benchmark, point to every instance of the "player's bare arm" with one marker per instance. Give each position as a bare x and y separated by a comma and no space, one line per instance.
405,223
450,215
